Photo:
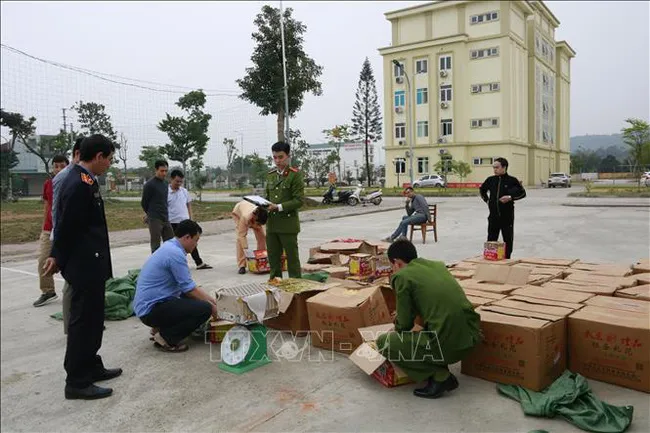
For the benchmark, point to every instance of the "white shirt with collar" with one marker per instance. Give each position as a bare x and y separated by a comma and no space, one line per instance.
177,201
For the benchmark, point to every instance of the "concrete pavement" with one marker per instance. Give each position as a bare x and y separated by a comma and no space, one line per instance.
187,392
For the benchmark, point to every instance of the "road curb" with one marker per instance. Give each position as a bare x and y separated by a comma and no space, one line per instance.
605,205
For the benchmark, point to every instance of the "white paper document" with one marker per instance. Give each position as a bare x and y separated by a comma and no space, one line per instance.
257,200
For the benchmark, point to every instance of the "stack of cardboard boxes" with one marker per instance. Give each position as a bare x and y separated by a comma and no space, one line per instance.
593,319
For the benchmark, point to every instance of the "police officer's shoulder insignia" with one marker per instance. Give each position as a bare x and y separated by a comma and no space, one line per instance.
87,179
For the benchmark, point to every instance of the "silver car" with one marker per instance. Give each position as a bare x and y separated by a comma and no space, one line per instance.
433,180
559,179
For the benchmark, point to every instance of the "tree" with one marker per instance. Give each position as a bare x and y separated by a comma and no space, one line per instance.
8,160
584,161
149,155
188,135
637,137
258,169
198,178
231,152
462,169
300,156
331,159
609,164
45,147
366,115
319,169
18,128
337,136
122,154
94,119
264,82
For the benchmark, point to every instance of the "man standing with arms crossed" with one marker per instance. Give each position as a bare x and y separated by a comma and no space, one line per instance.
81,251
154,204
285,189
504,191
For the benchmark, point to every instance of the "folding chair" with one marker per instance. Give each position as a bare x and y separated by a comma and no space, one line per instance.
429,226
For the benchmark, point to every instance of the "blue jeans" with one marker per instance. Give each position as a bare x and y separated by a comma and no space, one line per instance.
416,218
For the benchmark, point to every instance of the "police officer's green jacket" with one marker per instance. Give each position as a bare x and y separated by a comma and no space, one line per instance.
426,288
286,189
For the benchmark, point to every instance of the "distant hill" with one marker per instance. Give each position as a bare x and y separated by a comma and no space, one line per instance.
603,145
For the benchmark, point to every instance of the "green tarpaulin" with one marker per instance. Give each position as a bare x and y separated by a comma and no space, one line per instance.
571,398
118,302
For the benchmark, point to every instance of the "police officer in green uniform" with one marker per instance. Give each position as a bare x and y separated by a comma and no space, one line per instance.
451,326
285,189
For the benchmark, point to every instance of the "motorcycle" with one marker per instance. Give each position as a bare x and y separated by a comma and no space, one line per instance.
374,197
342,197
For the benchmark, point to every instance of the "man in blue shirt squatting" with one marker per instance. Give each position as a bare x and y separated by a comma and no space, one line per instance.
166,297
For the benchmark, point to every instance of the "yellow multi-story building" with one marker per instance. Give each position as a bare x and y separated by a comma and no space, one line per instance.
487,79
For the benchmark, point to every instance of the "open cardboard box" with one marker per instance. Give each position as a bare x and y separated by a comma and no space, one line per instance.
553,294
497,278
481,260
611,346
621,304
248,303
639,292
612,270
336,315
641,267
562,263
479,297
520,347
581,286
348,248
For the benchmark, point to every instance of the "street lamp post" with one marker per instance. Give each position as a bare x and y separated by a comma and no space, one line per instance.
397,171
409,114
241,136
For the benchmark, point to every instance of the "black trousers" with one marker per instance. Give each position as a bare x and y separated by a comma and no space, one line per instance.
195,254
504,224
177,318
85,332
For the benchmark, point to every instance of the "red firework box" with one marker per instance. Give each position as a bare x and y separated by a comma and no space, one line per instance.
362,265
494,250
258,262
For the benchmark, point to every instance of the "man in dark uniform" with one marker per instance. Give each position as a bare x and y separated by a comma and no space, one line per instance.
81,251
504,191
285,189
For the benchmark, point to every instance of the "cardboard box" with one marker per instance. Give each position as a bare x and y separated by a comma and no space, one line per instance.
641,267
553,294
581,286
309,268
612,270
336,315
557,308
642,279
347,248
217,330
520,347
337,272
293,306
609,346
565,263
368,358
496,278
478,297
621,304
462,274
494,251
539,276
638,292
478,260
247,303
617,282
258,262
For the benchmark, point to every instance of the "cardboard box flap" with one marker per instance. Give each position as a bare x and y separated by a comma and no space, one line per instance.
285,301
482,260
638,292
367,358
584,288
371,333
510,316
536,305
522,313
552,294
501,275
343,297
487,287
484,294
549,262
622,304
608,316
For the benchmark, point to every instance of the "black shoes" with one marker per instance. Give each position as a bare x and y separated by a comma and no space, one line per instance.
242,270
203,266
107,374
92,392
45,298
436,389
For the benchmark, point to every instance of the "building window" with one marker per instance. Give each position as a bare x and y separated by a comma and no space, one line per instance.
399,98
445,93
485,123
476,161
423,128
421,66
400,130
400,165
494,87
422,96
483,53
445,63
484,18
485,88
487,161
397,70
423,165
446,127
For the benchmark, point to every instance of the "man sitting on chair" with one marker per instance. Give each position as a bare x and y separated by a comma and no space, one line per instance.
417,212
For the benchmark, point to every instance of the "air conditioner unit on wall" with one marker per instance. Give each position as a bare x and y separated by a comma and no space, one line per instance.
399,109
401,142
442,140
399,80
443,73
444,105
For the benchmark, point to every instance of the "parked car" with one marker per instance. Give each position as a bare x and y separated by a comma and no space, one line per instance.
645,176
433,180
559,179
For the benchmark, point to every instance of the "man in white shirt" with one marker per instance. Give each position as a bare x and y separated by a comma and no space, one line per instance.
180,208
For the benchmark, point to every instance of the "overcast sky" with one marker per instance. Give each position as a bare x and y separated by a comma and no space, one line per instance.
208,45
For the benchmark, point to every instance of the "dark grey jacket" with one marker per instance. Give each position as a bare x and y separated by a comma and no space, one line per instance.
418,205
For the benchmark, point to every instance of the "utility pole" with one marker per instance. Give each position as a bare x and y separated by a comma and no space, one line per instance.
284,71
64,121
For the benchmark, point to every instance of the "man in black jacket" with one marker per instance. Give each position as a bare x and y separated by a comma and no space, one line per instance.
154,203
503,190
81,251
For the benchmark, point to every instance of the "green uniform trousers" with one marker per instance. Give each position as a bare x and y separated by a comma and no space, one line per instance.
276,243
418,355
